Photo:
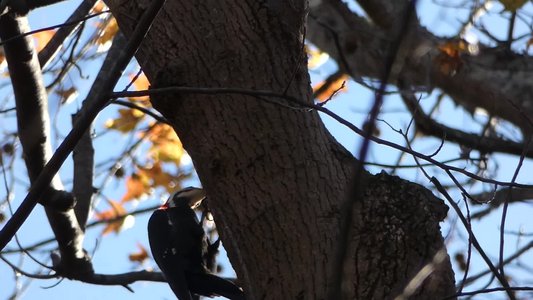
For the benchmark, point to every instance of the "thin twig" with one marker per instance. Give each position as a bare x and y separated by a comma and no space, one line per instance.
300,103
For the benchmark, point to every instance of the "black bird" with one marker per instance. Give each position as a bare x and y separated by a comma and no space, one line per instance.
180,249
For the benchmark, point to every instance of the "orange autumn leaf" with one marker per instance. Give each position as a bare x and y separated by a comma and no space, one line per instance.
42,38
454,48
159,177
128,119
141,82
137,185
99,6
449,59
337,86
140,255
115,211
166,145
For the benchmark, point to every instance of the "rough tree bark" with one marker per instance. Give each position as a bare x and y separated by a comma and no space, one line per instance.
274,175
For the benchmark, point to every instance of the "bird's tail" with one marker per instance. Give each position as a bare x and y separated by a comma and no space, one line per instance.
212,285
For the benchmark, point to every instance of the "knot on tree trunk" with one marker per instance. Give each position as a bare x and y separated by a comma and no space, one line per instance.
397,234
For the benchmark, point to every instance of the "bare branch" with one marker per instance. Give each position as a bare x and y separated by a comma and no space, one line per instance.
55,43
484,144
475,243
33,128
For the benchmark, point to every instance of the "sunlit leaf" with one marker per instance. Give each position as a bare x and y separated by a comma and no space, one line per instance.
115,211
107,33
316,58
166,146
99,6
137,185
449,59
42,38
140,255
159,177
335,87
141,83
127,121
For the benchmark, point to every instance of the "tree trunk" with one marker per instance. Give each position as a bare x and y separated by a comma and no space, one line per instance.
274,175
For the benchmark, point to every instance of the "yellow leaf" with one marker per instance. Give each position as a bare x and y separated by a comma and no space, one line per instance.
512,5
127,121
316,58
159,177
166,145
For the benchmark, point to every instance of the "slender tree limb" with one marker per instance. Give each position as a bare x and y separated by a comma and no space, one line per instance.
56,42
132,105
84,154
83,124
475,243
497,198
492,290
484,144
508,260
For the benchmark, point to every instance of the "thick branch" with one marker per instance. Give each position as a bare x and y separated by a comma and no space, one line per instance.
508,96
33,127
484,144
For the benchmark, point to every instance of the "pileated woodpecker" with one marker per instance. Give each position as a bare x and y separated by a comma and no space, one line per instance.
180,248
